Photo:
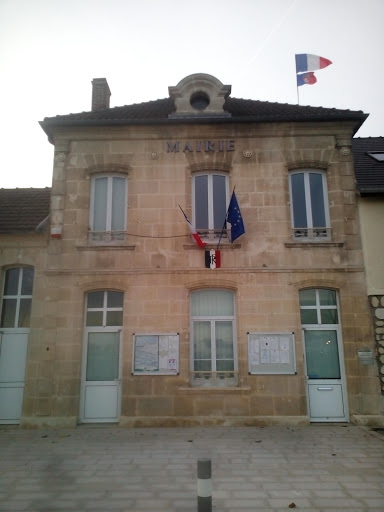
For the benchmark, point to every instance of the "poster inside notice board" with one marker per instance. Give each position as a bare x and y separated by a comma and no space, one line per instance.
271,353
156,354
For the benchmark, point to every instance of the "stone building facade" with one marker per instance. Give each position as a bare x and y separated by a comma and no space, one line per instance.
128,325
368,155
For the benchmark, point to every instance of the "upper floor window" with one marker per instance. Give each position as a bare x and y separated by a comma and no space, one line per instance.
108,210
213,351
17,297
210,199
309,205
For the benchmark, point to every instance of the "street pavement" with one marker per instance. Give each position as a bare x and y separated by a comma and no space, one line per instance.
317,468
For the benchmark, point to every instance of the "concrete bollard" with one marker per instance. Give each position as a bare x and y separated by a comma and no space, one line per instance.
204,485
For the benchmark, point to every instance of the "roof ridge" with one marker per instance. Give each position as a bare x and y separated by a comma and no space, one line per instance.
26,188
296,105
109,109
241,110
369,137
229,99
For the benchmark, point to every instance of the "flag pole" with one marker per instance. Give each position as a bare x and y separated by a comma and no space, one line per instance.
297,87
225,222
222,231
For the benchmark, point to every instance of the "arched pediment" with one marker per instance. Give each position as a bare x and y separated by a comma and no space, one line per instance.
199,95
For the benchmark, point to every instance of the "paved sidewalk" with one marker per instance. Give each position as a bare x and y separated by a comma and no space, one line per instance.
315,469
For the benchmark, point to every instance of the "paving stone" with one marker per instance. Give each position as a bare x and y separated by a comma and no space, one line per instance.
319,468
338,503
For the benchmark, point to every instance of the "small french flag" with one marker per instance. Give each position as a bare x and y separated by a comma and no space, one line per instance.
306,78
212,259
309,62
194,233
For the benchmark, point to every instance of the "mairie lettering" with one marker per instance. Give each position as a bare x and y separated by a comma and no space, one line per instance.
198,146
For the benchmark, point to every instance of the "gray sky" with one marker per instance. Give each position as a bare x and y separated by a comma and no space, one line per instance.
50,50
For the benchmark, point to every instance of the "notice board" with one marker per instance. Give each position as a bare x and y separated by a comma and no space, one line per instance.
271,353
155,354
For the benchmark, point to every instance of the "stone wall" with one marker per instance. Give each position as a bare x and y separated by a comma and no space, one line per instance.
377,306
159,265
158,301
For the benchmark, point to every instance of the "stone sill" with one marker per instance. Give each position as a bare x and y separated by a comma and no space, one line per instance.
314,244
103,247
227,246
211,421
33,422
196,390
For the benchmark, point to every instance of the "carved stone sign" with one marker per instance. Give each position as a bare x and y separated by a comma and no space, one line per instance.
207,146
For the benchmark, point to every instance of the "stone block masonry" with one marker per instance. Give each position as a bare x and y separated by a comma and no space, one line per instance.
377,306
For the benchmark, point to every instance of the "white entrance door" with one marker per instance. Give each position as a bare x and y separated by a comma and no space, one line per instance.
14,331
101,386
13,358
100,395
327,400
323,349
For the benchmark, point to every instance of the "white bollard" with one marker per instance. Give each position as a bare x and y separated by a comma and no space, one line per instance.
204,485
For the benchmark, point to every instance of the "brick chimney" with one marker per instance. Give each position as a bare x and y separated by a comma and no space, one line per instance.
100,94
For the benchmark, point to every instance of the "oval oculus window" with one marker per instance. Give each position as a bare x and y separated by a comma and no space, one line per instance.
199,100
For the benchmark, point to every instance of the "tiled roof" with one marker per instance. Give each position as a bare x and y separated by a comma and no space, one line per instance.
241,110
23,209
368,171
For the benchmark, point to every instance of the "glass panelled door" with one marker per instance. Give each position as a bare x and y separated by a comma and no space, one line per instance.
326,389
14,332
101,382
102,377
324,382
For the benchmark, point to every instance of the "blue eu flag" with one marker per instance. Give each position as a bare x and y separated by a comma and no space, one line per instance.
235,218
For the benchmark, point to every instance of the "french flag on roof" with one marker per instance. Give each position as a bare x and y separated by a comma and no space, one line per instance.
309,62
306,78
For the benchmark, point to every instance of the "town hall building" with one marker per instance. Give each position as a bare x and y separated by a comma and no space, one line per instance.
126,298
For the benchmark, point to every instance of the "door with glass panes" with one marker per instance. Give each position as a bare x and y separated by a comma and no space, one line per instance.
14,331
324,362
101,374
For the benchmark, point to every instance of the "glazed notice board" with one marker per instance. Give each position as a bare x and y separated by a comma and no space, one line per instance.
271,353
156,354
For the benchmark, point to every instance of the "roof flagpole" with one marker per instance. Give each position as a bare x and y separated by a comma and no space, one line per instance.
297,86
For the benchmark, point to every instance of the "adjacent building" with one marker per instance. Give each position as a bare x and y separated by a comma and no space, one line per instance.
112,313
368,155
